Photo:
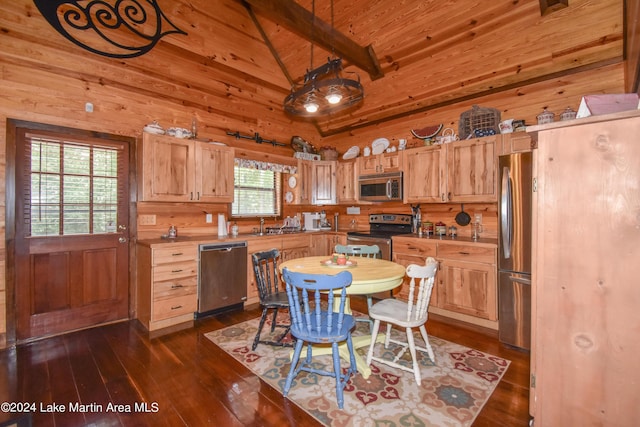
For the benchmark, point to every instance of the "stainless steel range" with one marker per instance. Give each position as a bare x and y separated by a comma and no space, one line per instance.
381,228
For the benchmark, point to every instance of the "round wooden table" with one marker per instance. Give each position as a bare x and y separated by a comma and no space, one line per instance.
370,276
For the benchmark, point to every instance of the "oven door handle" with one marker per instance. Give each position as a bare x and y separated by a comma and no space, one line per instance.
364,239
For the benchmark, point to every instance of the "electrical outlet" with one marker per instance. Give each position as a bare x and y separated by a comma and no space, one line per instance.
478,218
88,107
209,218
147,220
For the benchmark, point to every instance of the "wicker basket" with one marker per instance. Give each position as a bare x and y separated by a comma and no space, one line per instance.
482,118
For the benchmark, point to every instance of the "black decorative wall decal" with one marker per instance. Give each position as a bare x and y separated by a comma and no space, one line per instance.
124,28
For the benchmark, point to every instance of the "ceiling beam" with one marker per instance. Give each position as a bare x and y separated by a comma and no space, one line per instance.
300,21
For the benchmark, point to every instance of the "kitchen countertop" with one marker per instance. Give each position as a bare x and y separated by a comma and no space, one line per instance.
487,242
213,238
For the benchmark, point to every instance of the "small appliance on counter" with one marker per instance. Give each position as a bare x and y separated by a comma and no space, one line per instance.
312,220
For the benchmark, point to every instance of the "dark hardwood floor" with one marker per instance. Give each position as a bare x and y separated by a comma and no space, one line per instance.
186,380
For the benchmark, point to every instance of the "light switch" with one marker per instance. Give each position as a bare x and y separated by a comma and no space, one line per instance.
147,219
209,218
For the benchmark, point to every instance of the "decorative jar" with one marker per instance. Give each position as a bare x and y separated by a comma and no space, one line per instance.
545,117
568,114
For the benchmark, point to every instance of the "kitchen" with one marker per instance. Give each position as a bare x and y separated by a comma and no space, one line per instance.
48,88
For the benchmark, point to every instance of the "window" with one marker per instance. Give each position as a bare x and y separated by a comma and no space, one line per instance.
74,188
256,193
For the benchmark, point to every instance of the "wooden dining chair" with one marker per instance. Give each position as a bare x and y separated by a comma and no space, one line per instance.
408,315
273,295
368,251
315,319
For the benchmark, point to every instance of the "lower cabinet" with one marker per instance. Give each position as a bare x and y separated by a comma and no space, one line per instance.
167,284
290,247
466,286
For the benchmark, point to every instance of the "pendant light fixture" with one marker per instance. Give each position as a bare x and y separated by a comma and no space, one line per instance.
324,90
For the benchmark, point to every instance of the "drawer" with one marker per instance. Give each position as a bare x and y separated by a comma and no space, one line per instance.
175,270
165,309
173,253
470,253
295,241
415,246
175,288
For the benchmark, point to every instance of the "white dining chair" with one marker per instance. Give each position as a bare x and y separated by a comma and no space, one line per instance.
367,251
407,315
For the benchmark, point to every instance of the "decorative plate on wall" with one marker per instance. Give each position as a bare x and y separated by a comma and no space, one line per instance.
292,181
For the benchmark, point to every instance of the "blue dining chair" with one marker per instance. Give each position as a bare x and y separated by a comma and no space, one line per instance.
317,304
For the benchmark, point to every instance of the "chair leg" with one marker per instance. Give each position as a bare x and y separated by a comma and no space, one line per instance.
387,338
292,369
337,372
427,344
273,322
414,358
374,335
262,320
369,305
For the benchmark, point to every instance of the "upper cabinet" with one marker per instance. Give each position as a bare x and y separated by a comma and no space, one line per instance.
346,182
380,163
316,183
463,171
516,142
323,183
182,170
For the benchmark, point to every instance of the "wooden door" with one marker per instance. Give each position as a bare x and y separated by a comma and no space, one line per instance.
368,165
305,184
467,288
585,286
425,177
167,167
391,162
324,183
71,241
472,174
214,173
346,182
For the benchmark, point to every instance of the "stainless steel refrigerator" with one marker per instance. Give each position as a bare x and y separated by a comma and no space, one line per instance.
514,259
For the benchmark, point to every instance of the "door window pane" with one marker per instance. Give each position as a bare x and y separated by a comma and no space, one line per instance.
74,188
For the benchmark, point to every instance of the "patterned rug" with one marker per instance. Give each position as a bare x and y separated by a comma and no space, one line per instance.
453,391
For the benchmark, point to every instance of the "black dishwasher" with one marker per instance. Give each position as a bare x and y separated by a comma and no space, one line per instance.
222,278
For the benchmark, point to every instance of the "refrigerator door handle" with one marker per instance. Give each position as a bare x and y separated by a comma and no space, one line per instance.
520,280
505,212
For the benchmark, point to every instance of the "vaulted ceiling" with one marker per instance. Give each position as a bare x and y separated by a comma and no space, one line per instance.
430,53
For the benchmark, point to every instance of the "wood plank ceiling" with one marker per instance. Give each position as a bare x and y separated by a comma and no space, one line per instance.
436,53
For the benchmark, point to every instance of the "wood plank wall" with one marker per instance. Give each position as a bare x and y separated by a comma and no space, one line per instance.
44,78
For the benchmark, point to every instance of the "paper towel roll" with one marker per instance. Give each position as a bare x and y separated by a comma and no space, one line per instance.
222,225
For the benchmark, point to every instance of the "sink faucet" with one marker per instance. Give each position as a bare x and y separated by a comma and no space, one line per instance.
261,226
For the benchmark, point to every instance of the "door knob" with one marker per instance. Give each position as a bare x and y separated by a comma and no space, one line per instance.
122,239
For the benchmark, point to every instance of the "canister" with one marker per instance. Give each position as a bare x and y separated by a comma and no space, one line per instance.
441,229
427,228
545,117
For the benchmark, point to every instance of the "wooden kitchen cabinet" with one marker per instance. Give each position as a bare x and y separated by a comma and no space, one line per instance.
380,163
323,182
183,170
295,246
316,183
466,286
461,172
167,284
425,178
585,292
346,182
290,246
516,142
411,250
214,173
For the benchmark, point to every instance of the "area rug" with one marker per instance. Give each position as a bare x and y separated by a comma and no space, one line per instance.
453,391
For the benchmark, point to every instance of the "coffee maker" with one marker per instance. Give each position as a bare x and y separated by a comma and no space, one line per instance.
312,220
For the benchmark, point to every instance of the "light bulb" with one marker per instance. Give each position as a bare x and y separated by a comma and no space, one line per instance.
333,97
311,107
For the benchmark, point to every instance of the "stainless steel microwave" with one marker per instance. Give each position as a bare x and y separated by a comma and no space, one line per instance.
384,187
